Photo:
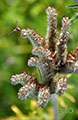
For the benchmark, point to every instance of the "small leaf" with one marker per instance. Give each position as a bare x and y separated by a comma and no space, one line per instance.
70,97
75,6
69,75
62,103
70,86
18,112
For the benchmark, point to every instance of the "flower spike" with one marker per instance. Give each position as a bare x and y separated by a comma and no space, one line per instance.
51,35
51,58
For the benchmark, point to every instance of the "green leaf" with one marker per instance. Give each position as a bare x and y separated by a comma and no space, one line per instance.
75,6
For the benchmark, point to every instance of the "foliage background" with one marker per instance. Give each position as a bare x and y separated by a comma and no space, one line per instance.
15,51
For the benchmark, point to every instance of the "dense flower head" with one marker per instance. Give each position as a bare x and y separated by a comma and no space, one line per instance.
50,58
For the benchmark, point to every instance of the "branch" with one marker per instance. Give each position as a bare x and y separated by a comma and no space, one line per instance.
34,61
34,38
42,52
20,78
72,61
61,85
61,45
43,96
28,90
51,34
44,68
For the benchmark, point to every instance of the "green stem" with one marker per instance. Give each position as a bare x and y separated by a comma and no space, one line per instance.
55,106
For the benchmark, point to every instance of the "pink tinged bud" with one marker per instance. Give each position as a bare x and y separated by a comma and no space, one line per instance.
42,52
33,61
20,78
29,90
43,96
34,38
61,85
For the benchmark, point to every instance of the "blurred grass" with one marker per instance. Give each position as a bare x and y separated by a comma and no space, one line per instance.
15,51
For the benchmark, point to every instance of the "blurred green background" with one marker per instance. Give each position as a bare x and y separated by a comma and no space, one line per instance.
15,51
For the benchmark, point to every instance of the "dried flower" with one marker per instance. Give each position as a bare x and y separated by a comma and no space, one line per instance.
51,57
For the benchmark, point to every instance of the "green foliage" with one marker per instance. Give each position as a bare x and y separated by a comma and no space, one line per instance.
15,51
75,8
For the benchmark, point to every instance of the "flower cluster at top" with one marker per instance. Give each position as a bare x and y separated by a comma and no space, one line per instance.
50,58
